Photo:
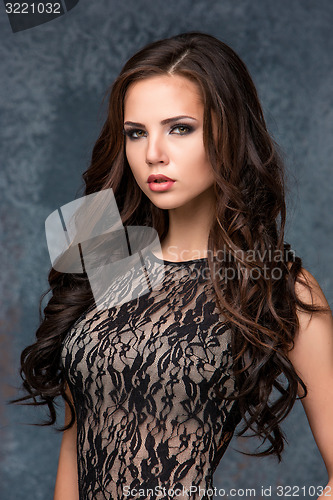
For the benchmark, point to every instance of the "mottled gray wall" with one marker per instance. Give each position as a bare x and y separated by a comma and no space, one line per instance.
53,78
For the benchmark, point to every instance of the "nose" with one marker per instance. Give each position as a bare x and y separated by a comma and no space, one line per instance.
156,151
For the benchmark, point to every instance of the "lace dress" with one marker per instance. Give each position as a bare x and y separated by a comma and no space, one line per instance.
149,423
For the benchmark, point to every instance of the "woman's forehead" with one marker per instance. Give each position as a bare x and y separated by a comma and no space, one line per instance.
163,94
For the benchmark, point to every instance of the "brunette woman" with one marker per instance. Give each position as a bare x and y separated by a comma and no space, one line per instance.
155,386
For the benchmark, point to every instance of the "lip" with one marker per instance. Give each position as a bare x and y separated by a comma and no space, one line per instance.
154,177
159,187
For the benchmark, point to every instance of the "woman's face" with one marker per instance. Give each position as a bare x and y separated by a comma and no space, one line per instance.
163,123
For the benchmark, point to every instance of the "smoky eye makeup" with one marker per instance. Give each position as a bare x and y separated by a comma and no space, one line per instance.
183,129
133,133
176,129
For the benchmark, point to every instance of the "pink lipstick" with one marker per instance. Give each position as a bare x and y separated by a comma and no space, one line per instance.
159,182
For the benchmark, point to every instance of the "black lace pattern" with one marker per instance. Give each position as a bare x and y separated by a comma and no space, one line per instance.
142,375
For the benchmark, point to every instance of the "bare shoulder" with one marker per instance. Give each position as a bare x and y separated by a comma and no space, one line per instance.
312,359
308,289
314,339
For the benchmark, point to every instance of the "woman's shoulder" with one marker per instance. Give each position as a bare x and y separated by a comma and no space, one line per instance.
307,288
315,328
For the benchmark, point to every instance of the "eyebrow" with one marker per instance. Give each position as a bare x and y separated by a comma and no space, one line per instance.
163,122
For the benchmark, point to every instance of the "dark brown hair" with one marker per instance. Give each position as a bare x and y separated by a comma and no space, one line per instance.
250,193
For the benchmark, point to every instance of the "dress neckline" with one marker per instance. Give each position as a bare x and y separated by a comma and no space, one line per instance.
180,262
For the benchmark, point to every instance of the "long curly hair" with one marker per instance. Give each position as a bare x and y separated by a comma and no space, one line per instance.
259,301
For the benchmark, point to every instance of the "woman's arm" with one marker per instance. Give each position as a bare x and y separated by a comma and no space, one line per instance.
312,358
66,487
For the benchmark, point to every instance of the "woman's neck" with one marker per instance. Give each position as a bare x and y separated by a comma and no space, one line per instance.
188,232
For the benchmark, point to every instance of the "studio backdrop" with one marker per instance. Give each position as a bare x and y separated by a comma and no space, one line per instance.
55,70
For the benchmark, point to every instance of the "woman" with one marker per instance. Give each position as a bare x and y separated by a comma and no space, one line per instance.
155,386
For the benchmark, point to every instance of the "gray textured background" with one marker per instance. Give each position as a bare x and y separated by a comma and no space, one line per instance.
53,78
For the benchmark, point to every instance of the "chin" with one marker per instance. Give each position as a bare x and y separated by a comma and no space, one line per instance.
166,205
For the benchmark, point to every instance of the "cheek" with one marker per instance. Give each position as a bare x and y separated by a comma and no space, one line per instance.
132,158
197,160
135,152
135,166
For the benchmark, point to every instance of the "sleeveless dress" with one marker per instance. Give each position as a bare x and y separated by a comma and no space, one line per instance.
142,376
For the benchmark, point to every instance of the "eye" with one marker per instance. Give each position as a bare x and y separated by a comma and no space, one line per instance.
181,129
134,133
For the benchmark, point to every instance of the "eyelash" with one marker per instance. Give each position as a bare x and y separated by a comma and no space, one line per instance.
129,132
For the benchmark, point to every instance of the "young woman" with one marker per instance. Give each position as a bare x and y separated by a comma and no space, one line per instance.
155,386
